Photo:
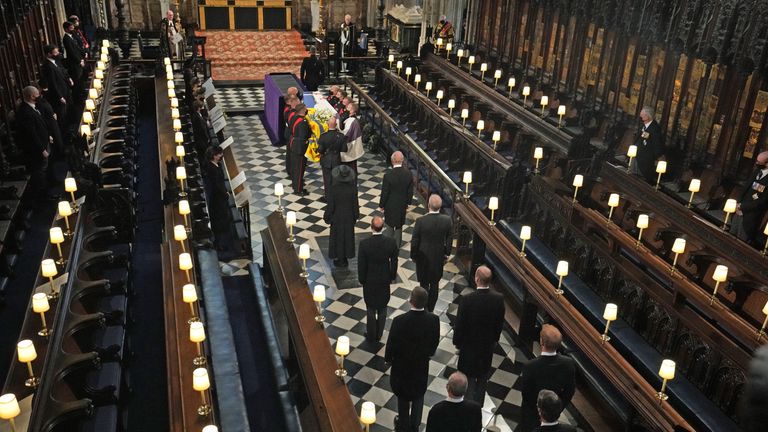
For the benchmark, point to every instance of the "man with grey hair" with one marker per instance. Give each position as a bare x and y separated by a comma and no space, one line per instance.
396,195
312,70
650,145
348,39
35,138
550,407
376,269
455,414
431,247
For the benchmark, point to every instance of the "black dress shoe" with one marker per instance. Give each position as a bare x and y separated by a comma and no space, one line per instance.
304,192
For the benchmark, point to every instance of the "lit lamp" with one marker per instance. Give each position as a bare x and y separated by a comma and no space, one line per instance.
642,223
40,305
98,73
678,247
93,93
100,65
496,137
391,60
342,349
85,129
561,271
464,115
493,205
166,61
174,103
97,84
448,48
290,220
168,69
65,211
57,238
304,256
560,113
25,349
189,296
609,314
169,76
511,85
368,415
171,85
211,428
9,409
538,154
408,71
578,181
180,235
613,202
720,275
104,50
90,105
48,270
70,185
174,113
526,93
496,77
483,69
761,332
178,137
171,93
694,187
87,117
399,66
480,126
201,383
661,168
184,210
417,80
451,106
459,55
428,87
176,124
104,58
197,335
279,192
185,263
666,372
525,235
765,231
181,175
631,154
544,103
467,179
471,61
180,153
730,207
439,44
439,96
105,43
318,296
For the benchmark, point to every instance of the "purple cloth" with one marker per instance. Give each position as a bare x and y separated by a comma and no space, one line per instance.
275,86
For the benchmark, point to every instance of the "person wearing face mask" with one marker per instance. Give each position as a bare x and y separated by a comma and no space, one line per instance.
444,30
32,133
58,83
754,201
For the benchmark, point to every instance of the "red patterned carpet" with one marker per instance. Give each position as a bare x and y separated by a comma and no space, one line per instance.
244,55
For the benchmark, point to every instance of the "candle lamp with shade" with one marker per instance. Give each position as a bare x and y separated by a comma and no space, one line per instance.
189,296
480,126
561,271
391,59
10,409
560,113
171,93
451,106
48,270
408,72
279,192
181,175
471,62
642,223
342,349
304,256
693,187
176,125
174,113
438,45
609,315
448,49
544,103
525,235
201,383
318,296
729,208
90,105
493,205
761,332
290,220
197,336
678,247
631,154
428,87
511,84
93,94
496,137
185,264
87,117
85,129
25,350
65,211
184,211
180,235
464,116
368,415
417,80
40,305
459,55
180,153
57,238
538,154
483,69
70,185
613,202
666,372
578,181
466,179
719,275
399,66
439,96
174,102
661,168
526,93
496,78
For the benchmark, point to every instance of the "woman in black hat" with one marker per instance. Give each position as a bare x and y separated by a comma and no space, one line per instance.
341,213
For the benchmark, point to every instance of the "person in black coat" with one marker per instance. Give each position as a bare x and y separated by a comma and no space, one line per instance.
754,404
312,71
430,248
217,194
549,408
650,145
44,107
550,371
330,145
75,58
200,128
32,133
376,269
754,202
300,133
479,322
341,213
455,414
396,195
57,84
413,339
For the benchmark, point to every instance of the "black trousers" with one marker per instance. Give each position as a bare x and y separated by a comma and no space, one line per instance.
375,321
476,387
326,181
298,165
409,413
432,287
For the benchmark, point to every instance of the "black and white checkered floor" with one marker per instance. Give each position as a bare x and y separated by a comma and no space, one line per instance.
345,310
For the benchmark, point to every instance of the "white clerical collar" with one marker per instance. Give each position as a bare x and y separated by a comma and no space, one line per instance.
397,166
548,354
554,423
455,399
377,233
647,124
52,60
413,309
31,104
764,171
434,212
483,288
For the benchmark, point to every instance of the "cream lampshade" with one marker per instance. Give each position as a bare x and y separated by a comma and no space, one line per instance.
179,233
176,124
181,151
391,58
451,104
185,263
166,61
439,96
85,129
661,168
578,181
439,42
678,247
613,202
417,80
290,218
304,252
174,103
25,350
642,221
471,60
169,76
561,110
538,154
93,93
174,113
448,48
399,65
211,428
171,85
483,69
467,177
56,236
201,383
105,43
40,305
493,205
168,69
101,65
104,58
184,207
496,137
561,271
693,187
98,73
428,87
526,91
70,185
719,275
728,208
171,93
460,53
408,72
525,235
666,372
64,209
97,84
480,126
318,296
104,50
178,137
197,336
497,74
544,101
90,105
368,414
761,332
87,117
609,315
48,270
342,349
631,154
464,115
511,84
9,409
189,293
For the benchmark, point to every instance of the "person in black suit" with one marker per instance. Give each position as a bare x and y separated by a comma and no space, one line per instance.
200,129
341,213
75,56
551,371
413,339
217,194
430,247
57,84
330,145
376,269
650,145
57,147
312,70
549,408
478,327
754,202
455,414
300,133
396,195
32,133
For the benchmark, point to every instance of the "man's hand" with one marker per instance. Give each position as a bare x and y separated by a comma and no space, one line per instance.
71,83
381,209
62,100
738,210
45,153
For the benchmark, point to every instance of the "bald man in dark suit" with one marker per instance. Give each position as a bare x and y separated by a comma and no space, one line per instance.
431,247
